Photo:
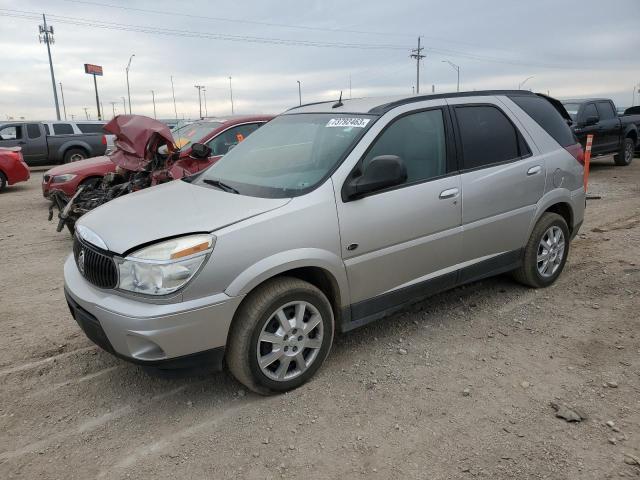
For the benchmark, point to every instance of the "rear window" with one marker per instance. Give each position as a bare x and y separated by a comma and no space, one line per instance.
33,130
90,127
546,115
62,129
488,136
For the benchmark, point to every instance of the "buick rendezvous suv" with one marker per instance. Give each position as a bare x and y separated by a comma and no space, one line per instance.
330,216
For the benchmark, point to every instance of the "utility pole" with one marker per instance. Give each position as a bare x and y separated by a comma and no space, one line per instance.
199,87
46,36
113,108
153,97
231,94
124,106
457,69
417,54
64,108
128,90
413,90
204,95
173,92
299,93
349,86
86,112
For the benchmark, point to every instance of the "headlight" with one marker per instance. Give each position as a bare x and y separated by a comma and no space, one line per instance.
63,178
166,266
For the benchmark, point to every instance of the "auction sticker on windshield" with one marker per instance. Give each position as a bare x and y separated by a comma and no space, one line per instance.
348,122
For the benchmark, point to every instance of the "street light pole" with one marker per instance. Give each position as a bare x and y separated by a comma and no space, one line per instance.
204,95
457,69
153,98
199,87
128,90
46,36
173,92
86,112
124,106
231,94
63,105
299,92
113,108
520,85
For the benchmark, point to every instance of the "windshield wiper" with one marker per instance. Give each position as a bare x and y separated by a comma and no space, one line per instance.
220,185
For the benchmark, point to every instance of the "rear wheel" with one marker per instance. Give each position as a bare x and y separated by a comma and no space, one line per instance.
3,181
280,336
74,154
625,156
546,252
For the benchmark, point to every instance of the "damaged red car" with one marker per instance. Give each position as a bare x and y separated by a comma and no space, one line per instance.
146,154
13,168
218,133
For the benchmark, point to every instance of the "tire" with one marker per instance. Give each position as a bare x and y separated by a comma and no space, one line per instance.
258,317
74,154
529,273
3,181
625,156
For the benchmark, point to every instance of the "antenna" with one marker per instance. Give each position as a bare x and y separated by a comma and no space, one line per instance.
339,102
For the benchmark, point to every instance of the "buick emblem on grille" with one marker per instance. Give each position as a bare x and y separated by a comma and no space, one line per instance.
81,261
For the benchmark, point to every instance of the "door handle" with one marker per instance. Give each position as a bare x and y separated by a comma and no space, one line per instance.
449,193
534,170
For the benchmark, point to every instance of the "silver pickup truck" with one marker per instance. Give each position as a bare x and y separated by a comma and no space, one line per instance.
54,142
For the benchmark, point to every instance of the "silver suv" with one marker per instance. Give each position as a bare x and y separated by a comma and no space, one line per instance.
329,217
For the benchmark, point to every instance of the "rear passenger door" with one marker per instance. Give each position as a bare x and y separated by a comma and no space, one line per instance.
502,180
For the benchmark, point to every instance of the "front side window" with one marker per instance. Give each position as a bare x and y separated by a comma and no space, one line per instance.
488,136
288,156
62,129
590,111
11,132
419,140
228,139
193,133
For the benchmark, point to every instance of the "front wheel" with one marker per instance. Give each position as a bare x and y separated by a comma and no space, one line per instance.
545,253
280,336
625,156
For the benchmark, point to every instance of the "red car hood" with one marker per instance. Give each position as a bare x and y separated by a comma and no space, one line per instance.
137,140
79,166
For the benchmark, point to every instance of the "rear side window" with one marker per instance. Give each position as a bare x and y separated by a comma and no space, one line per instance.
90,127
545,115
420,140
488,136
606,111
33,130
62,129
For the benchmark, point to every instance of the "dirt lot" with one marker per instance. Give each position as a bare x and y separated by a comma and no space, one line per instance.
458,386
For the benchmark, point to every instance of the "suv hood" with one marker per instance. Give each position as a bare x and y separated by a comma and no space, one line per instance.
169,210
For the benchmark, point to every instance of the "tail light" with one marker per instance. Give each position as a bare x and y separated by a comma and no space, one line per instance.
104,139
577,152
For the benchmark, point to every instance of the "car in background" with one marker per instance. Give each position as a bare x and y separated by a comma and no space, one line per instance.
218,134
13,168
54,142
612,133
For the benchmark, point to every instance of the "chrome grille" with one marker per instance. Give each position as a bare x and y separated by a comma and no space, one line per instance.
95,265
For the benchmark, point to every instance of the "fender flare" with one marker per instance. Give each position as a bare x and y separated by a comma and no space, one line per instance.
631,129
282,262
551,198
62,150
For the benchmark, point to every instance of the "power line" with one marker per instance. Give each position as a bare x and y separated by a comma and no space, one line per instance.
268,40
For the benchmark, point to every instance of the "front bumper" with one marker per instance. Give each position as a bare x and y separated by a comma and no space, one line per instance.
155,334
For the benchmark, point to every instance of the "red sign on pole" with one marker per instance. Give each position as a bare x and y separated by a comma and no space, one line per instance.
93,69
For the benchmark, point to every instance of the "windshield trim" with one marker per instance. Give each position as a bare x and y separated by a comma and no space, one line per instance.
271,192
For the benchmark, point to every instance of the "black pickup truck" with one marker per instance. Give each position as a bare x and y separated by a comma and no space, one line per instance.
42,146
612,133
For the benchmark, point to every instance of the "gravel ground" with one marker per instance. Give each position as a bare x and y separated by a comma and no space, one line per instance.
457,386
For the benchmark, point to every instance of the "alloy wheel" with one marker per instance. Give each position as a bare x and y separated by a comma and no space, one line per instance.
290,341
550,252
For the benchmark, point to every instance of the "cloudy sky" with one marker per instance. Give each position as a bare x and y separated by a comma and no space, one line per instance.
570,48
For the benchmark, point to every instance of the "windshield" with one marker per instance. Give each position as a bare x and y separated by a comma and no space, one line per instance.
572,109
193,133
288,156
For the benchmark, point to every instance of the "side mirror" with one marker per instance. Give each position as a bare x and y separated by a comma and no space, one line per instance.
200,151
381,172
593,120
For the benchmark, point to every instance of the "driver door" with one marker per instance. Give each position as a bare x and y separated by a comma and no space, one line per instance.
405,240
